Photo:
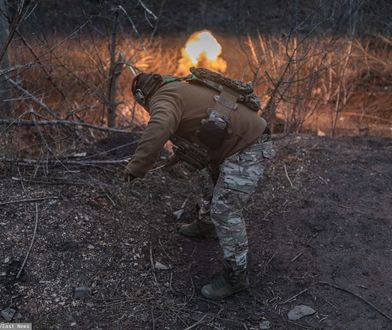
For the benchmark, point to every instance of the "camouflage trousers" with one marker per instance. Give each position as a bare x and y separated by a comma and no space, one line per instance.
238,178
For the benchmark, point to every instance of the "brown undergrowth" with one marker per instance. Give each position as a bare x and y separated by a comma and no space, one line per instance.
317,79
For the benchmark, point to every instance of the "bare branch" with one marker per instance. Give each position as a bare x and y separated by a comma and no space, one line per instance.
22,122
33,97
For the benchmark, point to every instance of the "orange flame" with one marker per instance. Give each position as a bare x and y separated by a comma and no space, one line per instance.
203,50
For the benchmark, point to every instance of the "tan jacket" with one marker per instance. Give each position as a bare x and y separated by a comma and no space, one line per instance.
178,108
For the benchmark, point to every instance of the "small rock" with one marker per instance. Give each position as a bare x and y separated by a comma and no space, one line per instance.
178,214
81,292
264,325
160,266
79,154
300,311
8,313
6,260
90,247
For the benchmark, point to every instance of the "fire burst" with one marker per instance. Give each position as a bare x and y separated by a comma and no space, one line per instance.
202,50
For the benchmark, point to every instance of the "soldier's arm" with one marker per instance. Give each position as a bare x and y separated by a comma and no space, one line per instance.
165,117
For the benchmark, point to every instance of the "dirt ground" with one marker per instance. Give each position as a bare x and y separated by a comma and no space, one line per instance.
320,223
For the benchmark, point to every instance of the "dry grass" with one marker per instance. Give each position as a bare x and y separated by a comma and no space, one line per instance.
320,79
330,84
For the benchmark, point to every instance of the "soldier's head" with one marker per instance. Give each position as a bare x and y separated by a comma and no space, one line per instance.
144,86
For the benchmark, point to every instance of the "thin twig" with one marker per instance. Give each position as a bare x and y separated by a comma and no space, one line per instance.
114,72
293,297
53,162
31,243
28,200
23,122
157,20
148,10
197,323
359,297
43,139
33,97
297,256
21,11
58,182
287,175
21,181
153,265
268,262
42,66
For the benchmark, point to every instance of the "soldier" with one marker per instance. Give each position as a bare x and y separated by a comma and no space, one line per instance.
214,118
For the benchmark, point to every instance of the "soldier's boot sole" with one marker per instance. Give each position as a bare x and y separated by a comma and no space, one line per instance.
197,229
209,292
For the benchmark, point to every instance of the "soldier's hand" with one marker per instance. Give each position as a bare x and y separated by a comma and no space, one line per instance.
128,177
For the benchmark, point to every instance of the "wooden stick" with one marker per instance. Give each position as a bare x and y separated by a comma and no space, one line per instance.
287,175
28,200
31,243
23,122
359,297
297,256
31,162
57,182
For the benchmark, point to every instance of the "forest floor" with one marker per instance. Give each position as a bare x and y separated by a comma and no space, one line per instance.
319,227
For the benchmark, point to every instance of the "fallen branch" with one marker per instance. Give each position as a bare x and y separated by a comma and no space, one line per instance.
359,297
197,323
31,243
54,162
57,182
28,200
23,122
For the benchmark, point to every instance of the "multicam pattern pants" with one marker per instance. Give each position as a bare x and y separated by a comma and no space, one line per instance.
238,178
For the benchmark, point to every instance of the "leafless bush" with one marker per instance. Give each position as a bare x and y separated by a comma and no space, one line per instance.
311,78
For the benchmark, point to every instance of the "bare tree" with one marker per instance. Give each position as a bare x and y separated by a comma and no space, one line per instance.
4,62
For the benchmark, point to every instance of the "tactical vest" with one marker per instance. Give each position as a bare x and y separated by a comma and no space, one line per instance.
231,90
238,90
216,127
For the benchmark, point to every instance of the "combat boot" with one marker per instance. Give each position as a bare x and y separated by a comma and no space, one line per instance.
226,283
198,229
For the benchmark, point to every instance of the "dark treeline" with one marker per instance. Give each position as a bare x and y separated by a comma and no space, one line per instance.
232,17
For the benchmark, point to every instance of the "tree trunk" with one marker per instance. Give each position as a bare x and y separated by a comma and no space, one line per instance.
112,106
5,109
